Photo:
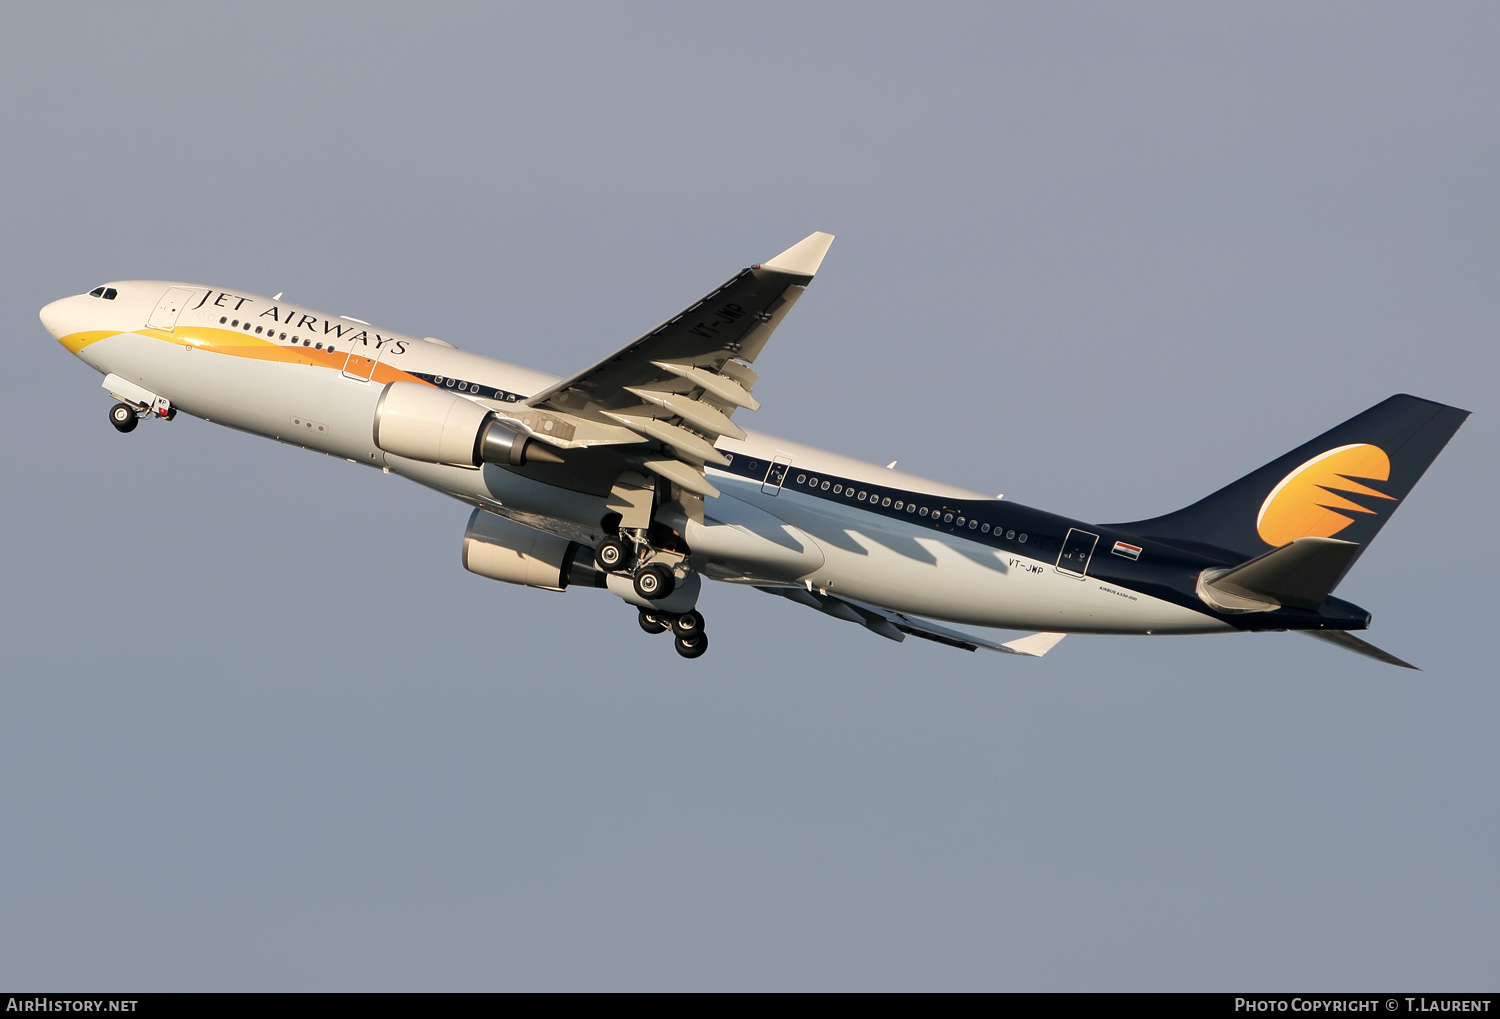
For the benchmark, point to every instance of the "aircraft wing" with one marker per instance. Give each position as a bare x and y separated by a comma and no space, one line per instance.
897,625
677,386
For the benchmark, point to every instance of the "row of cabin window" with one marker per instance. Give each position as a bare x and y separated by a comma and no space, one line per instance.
463,387
910,507
270,333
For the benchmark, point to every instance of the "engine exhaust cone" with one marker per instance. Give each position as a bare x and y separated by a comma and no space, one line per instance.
499,444
535,452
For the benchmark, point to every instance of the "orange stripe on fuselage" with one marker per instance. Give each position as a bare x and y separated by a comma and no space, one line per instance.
233,343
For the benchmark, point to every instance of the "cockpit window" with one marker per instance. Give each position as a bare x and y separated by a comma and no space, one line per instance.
110,293
97,292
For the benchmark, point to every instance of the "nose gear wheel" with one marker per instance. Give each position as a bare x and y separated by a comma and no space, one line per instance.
123,417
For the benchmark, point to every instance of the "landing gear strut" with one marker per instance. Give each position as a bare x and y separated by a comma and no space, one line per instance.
647,561
123,417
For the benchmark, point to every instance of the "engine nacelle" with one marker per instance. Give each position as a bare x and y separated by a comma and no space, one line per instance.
420,422
502,549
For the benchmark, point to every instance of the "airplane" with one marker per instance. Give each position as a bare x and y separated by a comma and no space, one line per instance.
632,476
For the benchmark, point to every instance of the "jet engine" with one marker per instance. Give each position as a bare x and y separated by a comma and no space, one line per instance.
502,549
435,426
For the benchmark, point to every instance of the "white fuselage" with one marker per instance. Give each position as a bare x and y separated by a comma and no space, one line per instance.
229,357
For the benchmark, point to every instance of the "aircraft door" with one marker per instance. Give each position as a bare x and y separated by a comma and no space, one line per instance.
776,475
360,365
1077,550
164,315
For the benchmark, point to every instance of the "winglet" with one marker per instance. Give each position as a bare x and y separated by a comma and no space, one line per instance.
804,257
1035,644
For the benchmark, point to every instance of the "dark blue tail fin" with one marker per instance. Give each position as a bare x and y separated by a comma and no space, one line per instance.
1346,483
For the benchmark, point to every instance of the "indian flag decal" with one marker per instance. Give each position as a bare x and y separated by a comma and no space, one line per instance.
1128,551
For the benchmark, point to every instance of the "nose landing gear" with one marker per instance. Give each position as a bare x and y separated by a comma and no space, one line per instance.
125,416
688,638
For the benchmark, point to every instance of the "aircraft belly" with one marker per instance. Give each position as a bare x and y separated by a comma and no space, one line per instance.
915,570
739,542
735,542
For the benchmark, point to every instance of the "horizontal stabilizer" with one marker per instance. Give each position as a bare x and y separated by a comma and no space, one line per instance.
1299,575
898,625
1347,640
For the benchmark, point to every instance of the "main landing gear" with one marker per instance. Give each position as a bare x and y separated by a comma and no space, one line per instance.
687,630
614,555
654,581
654,576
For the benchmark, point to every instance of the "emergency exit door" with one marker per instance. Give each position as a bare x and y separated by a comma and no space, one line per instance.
361,362
776,475
1077,550
164,315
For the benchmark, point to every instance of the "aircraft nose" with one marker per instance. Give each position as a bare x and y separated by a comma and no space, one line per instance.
54,317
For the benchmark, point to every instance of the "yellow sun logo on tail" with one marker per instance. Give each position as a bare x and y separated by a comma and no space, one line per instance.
1310,502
